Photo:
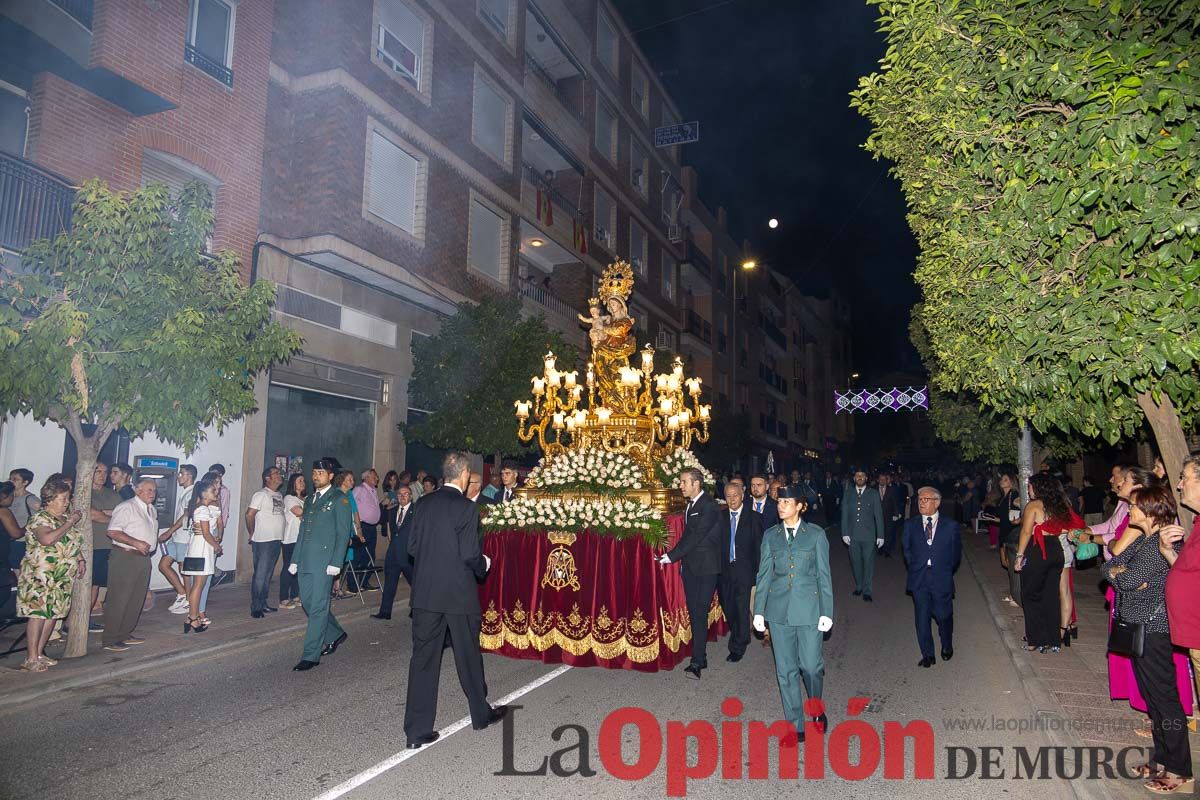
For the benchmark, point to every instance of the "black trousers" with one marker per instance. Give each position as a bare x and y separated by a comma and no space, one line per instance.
361,563
1155,676
425,668
395,564
698,591
1039,593
734,594
930,605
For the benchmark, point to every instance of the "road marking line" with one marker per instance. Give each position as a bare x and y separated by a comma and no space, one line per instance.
451,729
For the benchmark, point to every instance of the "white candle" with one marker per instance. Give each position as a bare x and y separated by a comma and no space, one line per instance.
666,404
522,409
647,359
603,414
673,423
685,415
693,385
569,379
704,412
549,362
539,386
558,420
570,423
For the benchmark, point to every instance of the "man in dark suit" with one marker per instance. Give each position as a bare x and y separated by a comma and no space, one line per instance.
891,499
508,483
448,560
397,562
761,502
699,548
933,546
739,567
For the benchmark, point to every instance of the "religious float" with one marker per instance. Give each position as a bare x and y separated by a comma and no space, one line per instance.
573,577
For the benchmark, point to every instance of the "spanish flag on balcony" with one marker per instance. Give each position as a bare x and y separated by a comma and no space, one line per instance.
581,237
545,208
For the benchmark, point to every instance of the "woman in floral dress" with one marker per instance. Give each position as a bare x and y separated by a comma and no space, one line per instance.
52,563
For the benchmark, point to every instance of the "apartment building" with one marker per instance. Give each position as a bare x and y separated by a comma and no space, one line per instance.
130,92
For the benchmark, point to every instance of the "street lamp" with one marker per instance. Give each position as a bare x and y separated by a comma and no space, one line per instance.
746,266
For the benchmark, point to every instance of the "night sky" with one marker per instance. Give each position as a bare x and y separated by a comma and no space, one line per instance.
769,82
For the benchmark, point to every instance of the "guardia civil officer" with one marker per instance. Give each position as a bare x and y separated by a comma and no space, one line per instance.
795,595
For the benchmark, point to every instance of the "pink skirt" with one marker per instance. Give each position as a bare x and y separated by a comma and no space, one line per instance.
993,535
1123,686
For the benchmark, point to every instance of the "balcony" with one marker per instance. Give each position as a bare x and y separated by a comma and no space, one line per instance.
772,331
80,10
559,314
773,380
205,64
545,202
551,64
34,204
698,327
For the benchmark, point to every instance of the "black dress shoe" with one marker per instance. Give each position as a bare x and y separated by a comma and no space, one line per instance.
381,615
927,661
332,646
270,609
304,666
734,657
423,739
693,670
857,592
948,654
257,614
822,721
497,713
868,598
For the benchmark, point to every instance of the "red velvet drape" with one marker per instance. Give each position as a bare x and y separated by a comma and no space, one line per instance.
590,602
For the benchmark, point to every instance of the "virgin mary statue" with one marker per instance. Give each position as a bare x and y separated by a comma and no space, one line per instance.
613,350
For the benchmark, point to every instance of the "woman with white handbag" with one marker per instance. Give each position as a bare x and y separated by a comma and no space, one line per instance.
203,516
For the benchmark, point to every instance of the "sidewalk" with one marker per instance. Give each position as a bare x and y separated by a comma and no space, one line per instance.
1069,688
232,626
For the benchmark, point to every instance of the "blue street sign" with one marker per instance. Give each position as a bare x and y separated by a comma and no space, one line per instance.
683,133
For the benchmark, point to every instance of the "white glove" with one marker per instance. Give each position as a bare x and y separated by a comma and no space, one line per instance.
293,569
824,624
846,540
332,570
879,542
664,559
760,624
487,563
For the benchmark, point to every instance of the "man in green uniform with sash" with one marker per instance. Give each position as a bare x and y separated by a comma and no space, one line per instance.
320,551
795,595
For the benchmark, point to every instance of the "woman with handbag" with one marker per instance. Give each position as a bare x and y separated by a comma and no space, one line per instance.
1141,630
1040,560
203,517
1008,512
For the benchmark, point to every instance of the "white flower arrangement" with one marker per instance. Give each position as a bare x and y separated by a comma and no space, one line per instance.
615,517
587,470
674,465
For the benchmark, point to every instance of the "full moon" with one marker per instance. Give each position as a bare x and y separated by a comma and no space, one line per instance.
773,223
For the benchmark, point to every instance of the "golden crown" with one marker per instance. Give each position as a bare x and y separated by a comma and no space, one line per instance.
617,281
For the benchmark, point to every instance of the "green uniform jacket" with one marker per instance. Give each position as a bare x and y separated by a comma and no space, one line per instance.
794,583
862,517
324,532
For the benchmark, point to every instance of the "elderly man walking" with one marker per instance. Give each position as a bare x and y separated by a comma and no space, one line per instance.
133,530
933,545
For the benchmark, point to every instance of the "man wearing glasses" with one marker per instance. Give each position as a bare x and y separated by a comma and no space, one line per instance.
934,549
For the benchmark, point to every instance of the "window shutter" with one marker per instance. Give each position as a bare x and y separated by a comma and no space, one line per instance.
393,184
159,169
489,113
485,239
402,23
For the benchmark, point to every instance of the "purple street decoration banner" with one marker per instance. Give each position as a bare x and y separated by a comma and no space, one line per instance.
895,399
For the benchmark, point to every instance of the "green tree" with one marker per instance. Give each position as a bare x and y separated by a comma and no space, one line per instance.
122,321
471,372
1048,154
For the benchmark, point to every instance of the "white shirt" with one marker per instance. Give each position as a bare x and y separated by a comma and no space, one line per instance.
401,513
291,528
136,520
268,522
183,534
925,518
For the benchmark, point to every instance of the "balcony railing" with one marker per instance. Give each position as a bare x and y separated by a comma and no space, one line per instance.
567,101
543,298
81,10
202,62
772,379
34,204
699,327
558,198
772,331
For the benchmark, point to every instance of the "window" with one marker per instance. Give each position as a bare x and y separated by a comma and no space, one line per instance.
394,178
487,242
641,320
210,38
637,248
639,168
668,276
491,119
14,120
400,41
606,42
606,130
495,14
722,272
670,201
176,174
640,91
606,219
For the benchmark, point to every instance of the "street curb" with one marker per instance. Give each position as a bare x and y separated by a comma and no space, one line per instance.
1036,692
102,676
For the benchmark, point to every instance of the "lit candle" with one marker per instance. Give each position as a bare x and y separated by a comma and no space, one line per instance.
704,412
558,420
665,405
554,378
580,417
576,391
549,363
522,409
673,423
570,423
693,385
539,386
603,414
648,359
685,416
673,383
591,377
569,379
678,371
660,382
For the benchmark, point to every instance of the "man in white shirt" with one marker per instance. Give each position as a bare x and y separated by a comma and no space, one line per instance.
265,524
134,533
397,561
177,545
933,546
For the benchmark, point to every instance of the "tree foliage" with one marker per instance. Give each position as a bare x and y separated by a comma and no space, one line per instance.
1048,153
123,321
471,372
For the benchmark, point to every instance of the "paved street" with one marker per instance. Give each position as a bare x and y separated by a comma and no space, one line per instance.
239,723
